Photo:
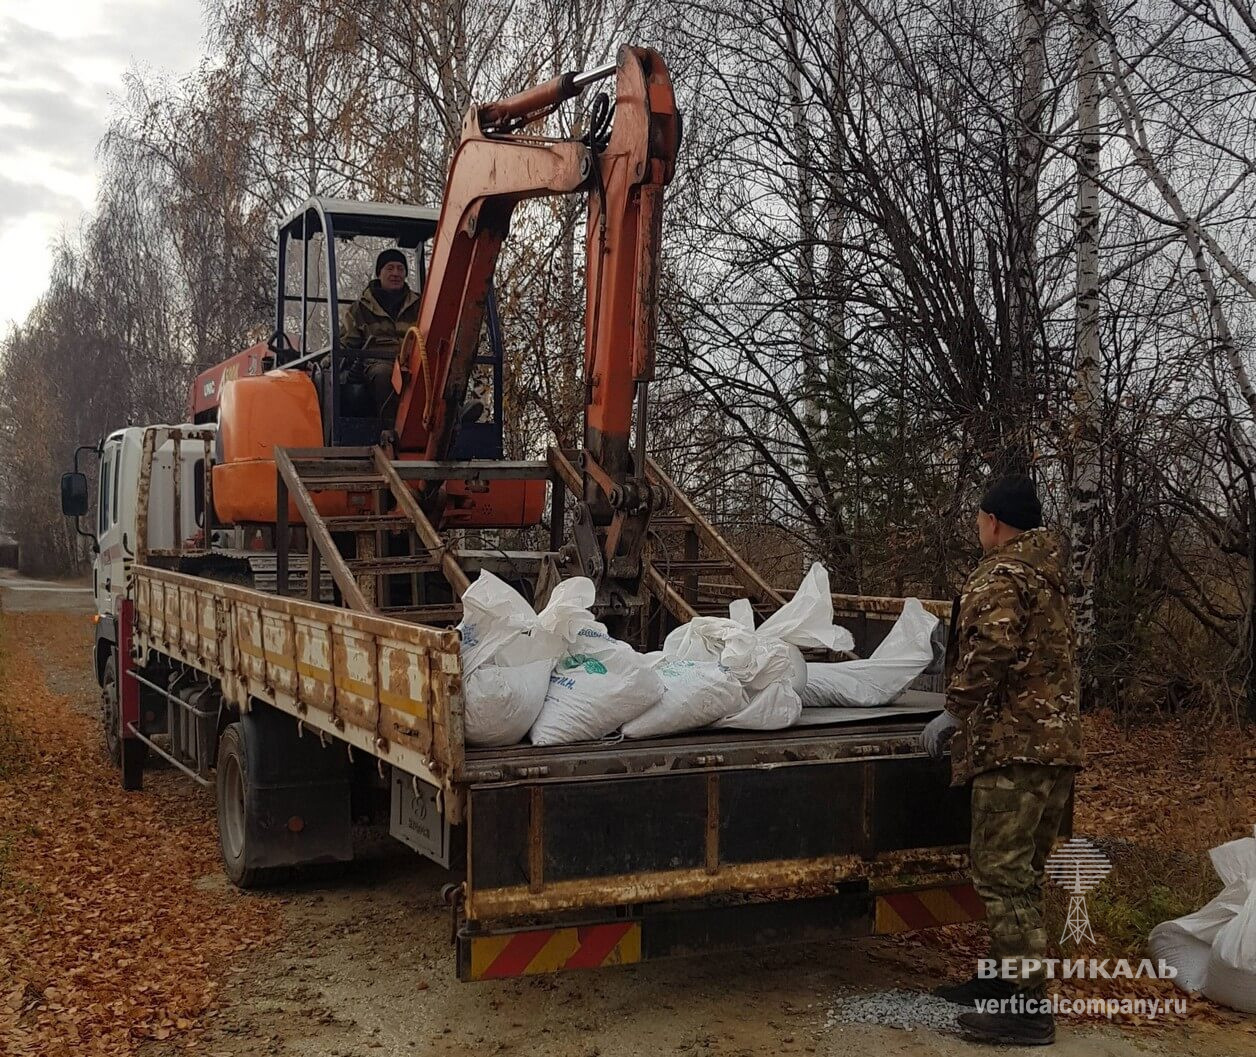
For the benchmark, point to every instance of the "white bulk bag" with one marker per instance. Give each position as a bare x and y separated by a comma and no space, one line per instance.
507,658
1186,942
903,654
701,639
797,676
695,694
501,704
1232,962
775,707
599,683
760,665
569,608
767,660
773,697
1214,949
493,614
806,620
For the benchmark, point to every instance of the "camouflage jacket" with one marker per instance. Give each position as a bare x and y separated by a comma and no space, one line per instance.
365,323
1014,687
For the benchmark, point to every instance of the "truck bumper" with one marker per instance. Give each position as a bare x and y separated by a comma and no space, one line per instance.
670,931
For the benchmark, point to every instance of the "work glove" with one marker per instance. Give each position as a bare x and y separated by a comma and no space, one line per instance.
938,733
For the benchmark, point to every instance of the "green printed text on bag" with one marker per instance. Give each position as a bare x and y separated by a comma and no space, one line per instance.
591,665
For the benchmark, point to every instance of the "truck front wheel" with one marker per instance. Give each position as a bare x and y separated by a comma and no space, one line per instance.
111,723
129,754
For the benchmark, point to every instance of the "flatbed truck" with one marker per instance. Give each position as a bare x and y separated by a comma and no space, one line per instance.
308,718
278,585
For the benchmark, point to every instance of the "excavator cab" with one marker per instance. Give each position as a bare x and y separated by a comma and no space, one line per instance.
326,257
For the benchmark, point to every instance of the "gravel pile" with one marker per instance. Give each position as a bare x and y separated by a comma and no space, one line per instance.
896,1009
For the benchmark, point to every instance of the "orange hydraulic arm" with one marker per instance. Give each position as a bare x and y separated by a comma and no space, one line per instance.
496,166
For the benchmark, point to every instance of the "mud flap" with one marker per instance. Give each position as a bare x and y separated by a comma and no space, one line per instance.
133,756
298,811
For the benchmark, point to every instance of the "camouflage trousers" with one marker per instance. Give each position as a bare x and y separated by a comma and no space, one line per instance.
1016,816
379,378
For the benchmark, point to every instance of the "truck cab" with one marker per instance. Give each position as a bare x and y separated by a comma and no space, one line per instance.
137,491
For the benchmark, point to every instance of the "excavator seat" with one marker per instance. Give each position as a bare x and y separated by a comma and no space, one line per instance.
355,398
358,420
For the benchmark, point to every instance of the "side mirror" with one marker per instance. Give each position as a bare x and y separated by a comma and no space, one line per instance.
73,494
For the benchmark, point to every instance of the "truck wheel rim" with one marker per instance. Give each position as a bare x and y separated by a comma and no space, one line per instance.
233,809
109,714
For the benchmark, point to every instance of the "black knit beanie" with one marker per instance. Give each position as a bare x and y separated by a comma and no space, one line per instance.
1014,501
387,257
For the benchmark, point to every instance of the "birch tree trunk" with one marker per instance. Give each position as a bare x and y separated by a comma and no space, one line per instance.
1023,289
1086,379
812,376
837,355
818,192
1199,244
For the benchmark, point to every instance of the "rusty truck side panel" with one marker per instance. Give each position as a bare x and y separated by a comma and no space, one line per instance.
768,830
389,688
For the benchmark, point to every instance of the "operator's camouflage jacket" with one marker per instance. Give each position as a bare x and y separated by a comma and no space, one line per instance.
365,323
1014,687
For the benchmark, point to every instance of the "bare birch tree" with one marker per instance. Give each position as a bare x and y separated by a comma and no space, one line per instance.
1086,369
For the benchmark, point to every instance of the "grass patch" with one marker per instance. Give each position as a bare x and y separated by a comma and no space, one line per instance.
1147,885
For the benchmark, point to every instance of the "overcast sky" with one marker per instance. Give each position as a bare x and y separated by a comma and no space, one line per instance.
61,69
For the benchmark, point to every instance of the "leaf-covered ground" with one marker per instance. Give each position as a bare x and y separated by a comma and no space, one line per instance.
106,939
110,936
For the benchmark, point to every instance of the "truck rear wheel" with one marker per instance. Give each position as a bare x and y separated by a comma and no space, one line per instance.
236,803
283,800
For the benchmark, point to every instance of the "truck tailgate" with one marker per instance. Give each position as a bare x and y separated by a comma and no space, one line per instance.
688,818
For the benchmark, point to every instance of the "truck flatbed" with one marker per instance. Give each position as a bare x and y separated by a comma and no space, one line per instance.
894,735
393,689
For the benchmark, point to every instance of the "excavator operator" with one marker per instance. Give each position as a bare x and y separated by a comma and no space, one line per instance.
378,321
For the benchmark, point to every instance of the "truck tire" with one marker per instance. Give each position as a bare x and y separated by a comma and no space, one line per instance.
126,753
283,800
236,806
110,724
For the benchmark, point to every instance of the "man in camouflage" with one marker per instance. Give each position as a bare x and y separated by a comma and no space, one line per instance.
378,321
1011,707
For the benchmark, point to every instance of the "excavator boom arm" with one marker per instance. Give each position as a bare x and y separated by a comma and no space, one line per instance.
495,167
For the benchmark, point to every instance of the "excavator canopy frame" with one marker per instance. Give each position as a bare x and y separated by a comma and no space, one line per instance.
316,282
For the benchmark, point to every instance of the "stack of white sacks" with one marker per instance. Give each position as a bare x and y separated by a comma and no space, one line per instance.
558,677
1214,949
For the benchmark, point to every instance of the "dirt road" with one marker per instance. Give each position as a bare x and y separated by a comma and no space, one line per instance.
363,966
21,594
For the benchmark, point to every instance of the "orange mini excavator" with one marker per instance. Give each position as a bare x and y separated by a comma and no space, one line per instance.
329,496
